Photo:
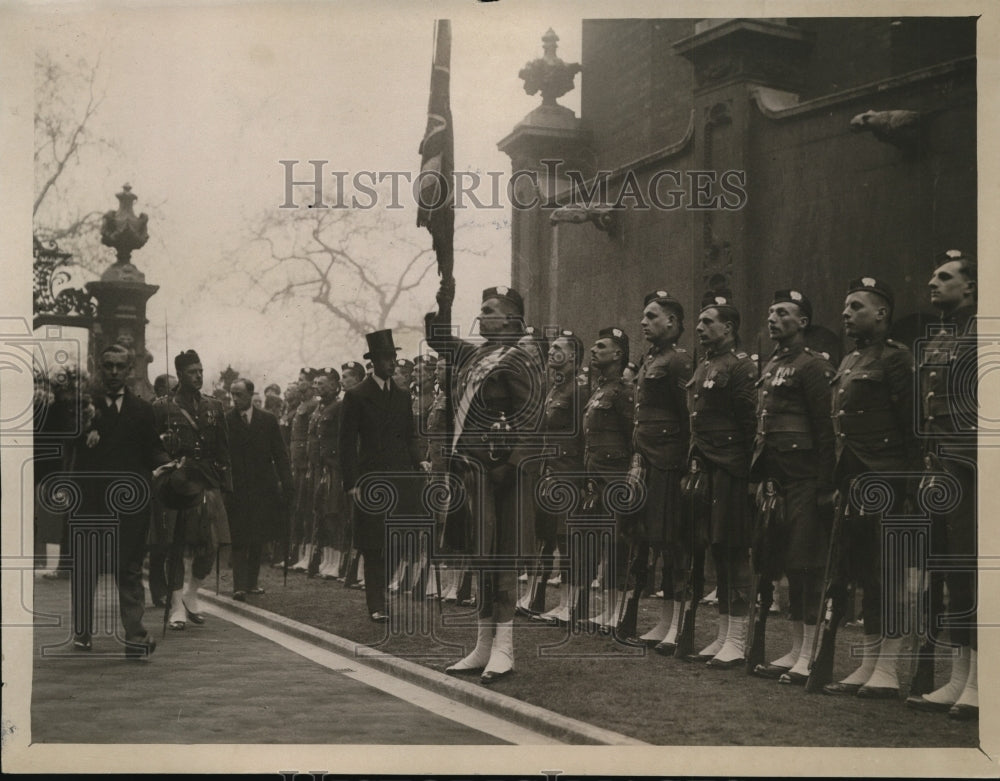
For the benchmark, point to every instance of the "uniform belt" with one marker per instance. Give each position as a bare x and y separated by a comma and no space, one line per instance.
712,420
785,423
866,422
655,415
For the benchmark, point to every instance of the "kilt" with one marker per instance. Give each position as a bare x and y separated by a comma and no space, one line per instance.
731,516
658,520
206,525
802,537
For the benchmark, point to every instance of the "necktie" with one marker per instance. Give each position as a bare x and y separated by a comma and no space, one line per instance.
388,389
113,405
246,418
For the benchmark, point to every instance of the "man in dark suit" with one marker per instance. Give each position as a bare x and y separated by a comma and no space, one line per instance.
376,436
121,445
262,486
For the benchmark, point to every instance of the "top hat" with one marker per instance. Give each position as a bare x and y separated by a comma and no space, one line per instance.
380,343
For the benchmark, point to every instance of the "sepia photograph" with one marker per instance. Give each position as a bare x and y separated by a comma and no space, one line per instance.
499,388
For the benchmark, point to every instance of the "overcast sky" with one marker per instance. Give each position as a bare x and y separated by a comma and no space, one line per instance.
203,102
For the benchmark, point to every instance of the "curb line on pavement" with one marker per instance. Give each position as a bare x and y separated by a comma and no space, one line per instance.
534,717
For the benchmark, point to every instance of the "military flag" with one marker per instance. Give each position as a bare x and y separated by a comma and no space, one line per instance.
437,156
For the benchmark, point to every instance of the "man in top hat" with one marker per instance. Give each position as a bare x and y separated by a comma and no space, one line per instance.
660,442
497,393
329,504
794,451
376,438
873,423
722,401
949,418
608,422
194,429
262,486
121,444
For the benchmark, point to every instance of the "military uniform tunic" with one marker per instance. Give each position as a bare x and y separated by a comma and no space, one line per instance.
324,464
874,426
794,445
193,427
660,437
949,410
298,452
562,426
608,420
722,400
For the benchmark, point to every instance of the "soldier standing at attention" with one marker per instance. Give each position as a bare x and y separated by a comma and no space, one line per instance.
193,427
722,400
498,393
950,418
607,427
563,440
301,514
660,442
873,422
794,450
329,504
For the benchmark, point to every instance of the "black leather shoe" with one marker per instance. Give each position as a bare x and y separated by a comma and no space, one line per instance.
140,648
256,590
489,676
240,596
160,602
878,693
841,688
521,611
82,643
928,706
194,618
718,664
793,679
963,712
700,658
665,649
379,617
631,642
770,671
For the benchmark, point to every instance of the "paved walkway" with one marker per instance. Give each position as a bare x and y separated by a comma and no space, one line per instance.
233,680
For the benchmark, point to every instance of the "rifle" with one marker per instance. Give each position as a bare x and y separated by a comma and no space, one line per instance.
770,511
931,584
695,490
628,609
827,620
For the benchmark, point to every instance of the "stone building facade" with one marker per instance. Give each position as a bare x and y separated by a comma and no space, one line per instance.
748,155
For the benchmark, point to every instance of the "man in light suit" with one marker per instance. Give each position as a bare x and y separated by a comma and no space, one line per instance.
121,443
376,437
262,486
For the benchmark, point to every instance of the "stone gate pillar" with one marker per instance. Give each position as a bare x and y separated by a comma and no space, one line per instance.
122,293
